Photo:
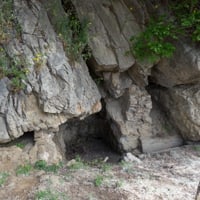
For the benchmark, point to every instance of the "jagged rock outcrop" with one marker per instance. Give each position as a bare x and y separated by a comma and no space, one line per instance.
55,90
183,108
58,89
130,117
182,68
110,32
128,104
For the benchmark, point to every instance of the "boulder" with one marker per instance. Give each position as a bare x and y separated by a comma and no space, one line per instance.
182,104
116,83
182,68
130,118
112,25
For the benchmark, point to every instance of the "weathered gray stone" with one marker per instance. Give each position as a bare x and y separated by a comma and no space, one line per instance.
45,148
112,24
182,68
139,73
129,157
116,83
197,197
182,106
55,91
130,117
155,144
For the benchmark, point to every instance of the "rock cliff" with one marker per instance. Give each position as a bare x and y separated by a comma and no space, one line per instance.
142,101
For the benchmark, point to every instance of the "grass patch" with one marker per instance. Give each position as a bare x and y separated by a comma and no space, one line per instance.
42,165
20,145
50,195
3,178
98,181
71,31
24,169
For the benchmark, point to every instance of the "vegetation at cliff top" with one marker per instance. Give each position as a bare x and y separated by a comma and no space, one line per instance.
72,32
13,67
156,41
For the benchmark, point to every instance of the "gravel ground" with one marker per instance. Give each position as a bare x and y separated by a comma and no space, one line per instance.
169,175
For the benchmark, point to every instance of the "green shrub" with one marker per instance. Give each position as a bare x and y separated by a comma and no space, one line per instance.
98,181
153,43
8,21
74,35
13,68
156,41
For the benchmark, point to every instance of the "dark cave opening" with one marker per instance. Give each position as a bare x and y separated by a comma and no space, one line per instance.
90,138
25,142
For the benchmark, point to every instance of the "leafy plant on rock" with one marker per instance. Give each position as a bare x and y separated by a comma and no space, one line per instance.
13,68
8,22
156,41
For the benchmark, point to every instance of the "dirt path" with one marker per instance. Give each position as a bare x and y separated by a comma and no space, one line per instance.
170,175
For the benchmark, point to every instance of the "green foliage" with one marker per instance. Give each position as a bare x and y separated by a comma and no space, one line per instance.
14,69
8,21
42,165
157,39
152,44
105,167
187,13
98,181
20,145
39,60
50,195
24,169
3,178
74,35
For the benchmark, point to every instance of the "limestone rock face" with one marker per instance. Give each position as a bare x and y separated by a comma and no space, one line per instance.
112,25
45,148
183,68
128,104
130,117
55,90
59,90
182,104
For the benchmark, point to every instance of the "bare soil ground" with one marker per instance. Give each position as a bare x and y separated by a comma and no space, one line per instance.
169,175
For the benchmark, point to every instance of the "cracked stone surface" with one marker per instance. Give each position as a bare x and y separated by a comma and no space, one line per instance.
55,92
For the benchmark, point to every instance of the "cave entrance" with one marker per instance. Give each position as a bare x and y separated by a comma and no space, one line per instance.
90,139
25,142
